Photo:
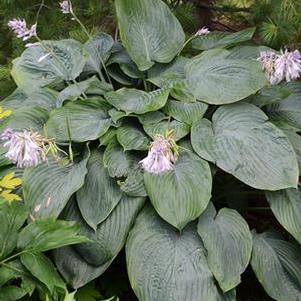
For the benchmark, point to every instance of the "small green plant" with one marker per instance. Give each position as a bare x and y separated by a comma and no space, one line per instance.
24,268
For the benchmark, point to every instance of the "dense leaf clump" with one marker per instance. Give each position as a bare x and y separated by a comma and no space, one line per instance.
166,155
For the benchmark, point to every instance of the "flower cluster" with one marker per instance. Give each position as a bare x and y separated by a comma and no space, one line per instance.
161,156
202,32
283,66
25,148
20,29
65,7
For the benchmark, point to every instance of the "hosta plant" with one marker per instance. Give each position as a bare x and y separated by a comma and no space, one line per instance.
167,145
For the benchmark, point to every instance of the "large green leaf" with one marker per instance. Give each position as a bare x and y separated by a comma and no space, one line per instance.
132,138
43,269
12,218
180,129
149,31
44,98
164,264
182,194
287,110
49,63
99,48
241,141
118,162
137,101
86,262
185,111
48,186
92,86
295,140
134,183
286,206
217,39
277,265
79,121
228,240
216,79
100,193
172,76
11,293
247,52
48,234
127,66
29,118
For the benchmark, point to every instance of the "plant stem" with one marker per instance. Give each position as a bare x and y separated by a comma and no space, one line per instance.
12,257
90,37
185,44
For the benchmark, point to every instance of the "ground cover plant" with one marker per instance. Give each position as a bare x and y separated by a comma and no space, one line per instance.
167,145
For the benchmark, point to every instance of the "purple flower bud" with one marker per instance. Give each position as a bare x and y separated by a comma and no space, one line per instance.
160,158
24,148
65,7
288,65
203,31
19,27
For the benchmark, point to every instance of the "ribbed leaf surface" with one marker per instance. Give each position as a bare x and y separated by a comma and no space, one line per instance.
182,194
242,142
286,206
100,194
48,186
228,240
164,264
149,31
277,265
216,79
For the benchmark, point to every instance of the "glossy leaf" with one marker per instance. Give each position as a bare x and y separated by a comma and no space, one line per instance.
286,206
44,98
79,121
228,240
185,111
179,129
29,118
287,110
216,79
217,39
137,101
149,31
182,194
242,142
132,138
48,186
172,76
86,262
100,194
99,48
12,218
164,264
117,161
51,63
11,293
277,265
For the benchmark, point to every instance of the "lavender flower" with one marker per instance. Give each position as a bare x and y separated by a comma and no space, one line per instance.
24,148
19,27
288,65
160,157
203,31
267,60
65,7
283,66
